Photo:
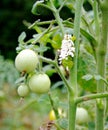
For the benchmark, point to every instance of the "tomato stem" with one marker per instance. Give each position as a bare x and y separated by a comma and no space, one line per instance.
90,97
73,71
53,106
57,17
101,64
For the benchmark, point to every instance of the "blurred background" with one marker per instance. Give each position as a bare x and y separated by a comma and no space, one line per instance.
12,14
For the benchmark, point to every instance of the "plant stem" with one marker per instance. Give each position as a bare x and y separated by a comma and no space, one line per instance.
73,73
57,17
101,62
42,34
61,6
71,112
53,106
96,19
91,96
59,22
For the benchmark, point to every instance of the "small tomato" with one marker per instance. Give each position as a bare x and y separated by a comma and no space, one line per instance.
82,115
52,115
26,61
39,83
23,90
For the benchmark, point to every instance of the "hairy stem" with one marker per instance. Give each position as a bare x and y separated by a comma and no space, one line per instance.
53,106
96,18
91,96
71,113
73,73
101,62
57,17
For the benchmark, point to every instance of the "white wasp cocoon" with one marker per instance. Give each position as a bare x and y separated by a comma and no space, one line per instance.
67,48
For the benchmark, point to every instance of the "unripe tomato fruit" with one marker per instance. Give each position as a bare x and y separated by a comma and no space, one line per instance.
23,90
52,115
26,61
82,115
39,83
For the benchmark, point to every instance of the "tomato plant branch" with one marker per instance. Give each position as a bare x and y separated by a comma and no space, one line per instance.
57,17
90,97
35,40
53,106
73,73
105,81
62,5
96,19
42,34
101,63
71,112
38,23
66,23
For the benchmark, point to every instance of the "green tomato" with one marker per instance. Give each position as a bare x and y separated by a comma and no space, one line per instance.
26,61
23,90
82,115
52,115
39,83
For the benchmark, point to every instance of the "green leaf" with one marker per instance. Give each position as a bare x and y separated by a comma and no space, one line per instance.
41,8
56,101
44,99
19,80
67,62
57,3
49,70
22,37
45,38
83,32
63,123
57,84
41,48
56,41
87,77
86,65
97,77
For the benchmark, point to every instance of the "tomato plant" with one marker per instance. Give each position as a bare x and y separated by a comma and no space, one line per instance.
79,46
